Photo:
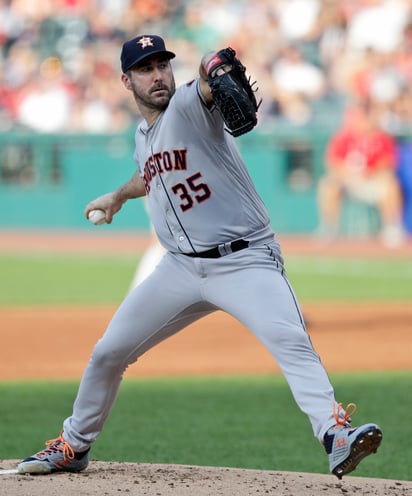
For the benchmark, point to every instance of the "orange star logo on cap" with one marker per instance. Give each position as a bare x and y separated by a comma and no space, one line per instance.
145,41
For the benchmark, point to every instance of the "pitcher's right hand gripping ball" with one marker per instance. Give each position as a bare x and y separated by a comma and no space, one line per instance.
233,94
97,217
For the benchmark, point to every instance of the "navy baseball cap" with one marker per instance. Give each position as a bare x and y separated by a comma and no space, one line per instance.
137,49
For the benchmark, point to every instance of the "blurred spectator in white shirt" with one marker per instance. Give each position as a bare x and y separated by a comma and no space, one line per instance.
378,25
295,82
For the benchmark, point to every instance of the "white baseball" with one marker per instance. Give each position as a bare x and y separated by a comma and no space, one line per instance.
97,217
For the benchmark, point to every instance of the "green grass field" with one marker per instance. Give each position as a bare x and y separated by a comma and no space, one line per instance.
248,422
39,279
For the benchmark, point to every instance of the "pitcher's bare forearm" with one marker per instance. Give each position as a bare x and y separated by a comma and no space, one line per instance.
134,188
112,202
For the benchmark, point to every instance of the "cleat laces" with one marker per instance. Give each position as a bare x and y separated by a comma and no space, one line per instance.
60,445
344,421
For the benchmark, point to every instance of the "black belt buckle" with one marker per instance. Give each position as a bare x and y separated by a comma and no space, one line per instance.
237,245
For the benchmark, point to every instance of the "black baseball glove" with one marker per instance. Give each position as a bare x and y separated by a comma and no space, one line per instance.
233,94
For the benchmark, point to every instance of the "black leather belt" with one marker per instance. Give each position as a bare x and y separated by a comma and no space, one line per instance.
221,250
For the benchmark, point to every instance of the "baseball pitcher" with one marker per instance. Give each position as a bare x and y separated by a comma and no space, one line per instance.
221,254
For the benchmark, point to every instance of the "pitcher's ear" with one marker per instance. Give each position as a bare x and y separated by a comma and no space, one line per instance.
126,81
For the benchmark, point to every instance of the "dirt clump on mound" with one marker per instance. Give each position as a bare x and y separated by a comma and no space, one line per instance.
110,478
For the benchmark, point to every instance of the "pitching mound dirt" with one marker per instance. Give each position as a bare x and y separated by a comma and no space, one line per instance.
110,478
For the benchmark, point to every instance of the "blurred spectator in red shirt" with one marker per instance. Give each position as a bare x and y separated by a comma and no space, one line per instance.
361,162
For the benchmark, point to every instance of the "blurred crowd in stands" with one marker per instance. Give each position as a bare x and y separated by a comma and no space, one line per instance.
60,71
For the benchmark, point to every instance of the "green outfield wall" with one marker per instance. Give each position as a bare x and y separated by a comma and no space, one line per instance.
46,180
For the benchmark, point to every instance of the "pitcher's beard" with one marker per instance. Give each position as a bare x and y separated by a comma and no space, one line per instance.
152,101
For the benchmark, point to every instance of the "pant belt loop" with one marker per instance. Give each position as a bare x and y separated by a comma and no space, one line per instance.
225,249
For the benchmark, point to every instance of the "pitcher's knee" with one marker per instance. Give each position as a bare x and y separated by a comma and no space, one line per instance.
110,358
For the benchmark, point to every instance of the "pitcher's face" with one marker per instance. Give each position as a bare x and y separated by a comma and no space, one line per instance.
152,83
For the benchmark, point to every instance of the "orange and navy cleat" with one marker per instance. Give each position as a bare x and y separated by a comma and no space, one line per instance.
347,446
58,456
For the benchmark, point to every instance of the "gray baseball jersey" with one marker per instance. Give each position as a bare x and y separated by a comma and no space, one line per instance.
199,191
